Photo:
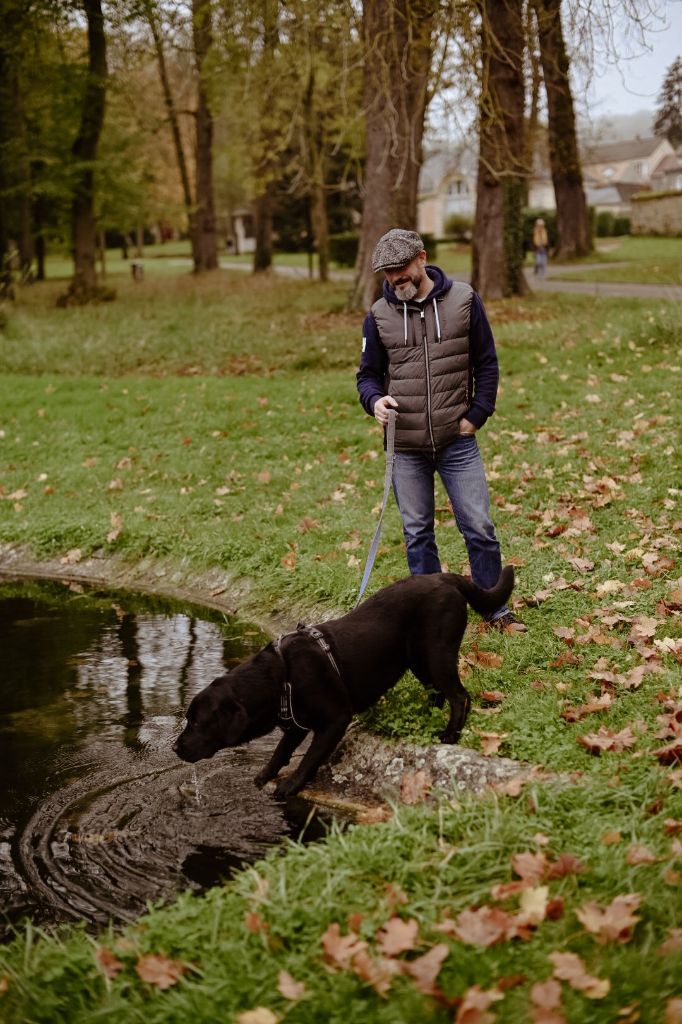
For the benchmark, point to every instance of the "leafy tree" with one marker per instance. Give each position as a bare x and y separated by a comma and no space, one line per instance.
668,121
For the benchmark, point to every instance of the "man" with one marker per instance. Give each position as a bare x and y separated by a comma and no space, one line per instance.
428,352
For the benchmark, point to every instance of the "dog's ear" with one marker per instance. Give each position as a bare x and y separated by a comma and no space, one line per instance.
232,721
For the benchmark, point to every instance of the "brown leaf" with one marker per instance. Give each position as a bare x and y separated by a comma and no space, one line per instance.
425,969
581,564
610,838
673,943
673,1011
264,477
670,753
474,1006
533,905
607,739
575,714
374,815
531,867
160,971
109,963
545,997
254,923
289,987
492,696
569,967
672,826
339,949
565,864
398,936
377,973
566,633
482,927
639,854
614,923
261,1015
415,786
491,742
507,889
307,523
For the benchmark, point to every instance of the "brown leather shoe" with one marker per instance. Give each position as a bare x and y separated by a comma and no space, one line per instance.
508,623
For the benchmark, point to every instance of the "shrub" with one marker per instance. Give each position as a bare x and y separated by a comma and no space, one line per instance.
343,248
459,226
621,225
604,224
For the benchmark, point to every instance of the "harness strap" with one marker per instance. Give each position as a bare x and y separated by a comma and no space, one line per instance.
388,478
286,708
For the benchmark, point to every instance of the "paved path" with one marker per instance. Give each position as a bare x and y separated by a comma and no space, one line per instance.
546,284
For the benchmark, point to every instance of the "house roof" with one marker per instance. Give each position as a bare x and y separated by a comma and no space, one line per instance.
618,192
615,152
670,163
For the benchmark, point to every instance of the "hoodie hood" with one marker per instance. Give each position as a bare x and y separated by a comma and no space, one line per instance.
441,285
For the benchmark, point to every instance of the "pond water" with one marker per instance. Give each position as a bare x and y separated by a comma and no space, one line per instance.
97,816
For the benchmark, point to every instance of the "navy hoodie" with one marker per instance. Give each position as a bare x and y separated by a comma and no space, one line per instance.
482,355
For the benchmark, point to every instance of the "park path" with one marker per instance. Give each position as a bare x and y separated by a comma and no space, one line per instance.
551,283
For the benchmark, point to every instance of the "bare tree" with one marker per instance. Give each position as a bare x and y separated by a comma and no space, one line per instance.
398,39
84,152
268,143
497,257
573,221
205,250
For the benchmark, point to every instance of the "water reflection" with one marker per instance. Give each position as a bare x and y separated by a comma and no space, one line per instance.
97,815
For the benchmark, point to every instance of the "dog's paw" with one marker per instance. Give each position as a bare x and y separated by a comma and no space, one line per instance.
450,737
286,787
261,779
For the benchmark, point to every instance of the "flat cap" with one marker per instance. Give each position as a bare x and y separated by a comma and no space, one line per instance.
396,248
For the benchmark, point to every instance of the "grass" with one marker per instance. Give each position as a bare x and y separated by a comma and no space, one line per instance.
642,261
216,421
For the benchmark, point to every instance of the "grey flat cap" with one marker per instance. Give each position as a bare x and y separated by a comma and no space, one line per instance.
396,248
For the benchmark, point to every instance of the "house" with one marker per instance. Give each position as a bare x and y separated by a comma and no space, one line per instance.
668,175
631,162
447,186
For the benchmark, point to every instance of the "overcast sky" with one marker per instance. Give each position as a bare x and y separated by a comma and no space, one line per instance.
635,82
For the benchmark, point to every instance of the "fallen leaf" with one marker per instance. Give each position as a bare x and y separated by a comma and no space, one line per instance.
670,753
340,949
377,973
398,936
607,739
610,838
639,854
415,786
673,943
481,927
531,867
71,557
545,997
109,963
492,696
159,971
575,714
569,967
425,969
612,923
491,742
264,477
261,1015
254,923
673,1011
474,1006
565,864
581,564
289,987
533,905
307,523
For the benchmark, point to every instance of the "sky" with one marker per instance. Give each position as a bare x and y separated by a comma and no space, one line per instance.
634,84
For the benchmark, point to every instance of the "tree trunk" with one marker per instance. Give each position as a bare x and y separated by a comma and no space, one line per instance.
84,151
497,258
174,123
398,44
531,136
267,142
314,161
206,253
573,220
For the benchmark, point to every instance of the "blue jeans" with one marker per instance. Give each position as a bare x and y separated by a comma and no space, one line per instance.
460,467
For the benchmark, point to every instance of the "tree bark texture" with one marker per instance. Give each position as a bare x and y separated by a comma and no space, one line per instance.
173,121
398,51
573,221
497,257
84,152
268,136
315,168
206,252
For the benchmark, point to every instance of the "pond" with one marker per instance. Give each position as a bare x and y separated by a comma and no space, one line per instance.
98,817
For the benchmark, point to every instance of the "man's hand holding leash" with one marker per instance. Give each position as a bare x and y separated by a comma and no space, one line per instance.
381,407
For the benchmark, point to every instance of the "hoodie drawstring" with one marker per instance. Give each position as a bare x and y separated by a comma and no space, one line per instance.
405,321
435,310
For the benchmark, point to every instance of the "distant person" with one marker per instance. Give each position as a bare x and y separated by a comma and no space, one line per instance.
540,247
428,352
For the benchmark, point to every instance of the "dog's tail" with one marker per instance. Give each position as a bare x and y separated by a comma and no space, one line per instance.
485,601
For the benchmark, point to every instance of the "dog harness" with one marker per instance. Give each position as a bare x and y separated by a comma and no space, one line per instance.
286,708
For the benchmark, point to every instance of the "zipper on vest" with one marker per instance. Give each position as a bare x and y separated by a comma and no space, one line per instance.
428,378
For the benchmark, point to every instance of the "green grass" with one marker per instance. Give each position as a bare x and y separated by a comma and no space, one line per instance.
646,261
213,420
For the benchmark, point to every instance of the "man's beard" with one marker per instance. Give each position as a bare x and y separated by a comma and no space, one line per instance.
409,287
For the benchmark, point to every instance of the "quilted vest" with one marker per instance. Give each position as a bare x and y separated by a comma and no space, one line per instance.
428,365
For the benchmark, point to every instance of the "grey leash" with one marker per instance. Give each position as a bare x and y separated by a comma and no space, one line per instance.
388,478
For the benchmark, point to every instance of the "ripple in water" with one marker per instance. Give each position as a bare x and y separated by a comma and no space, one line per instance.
99,817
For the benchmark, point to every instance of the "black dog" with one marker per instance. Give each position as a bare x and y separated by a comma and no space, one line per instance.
318,678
